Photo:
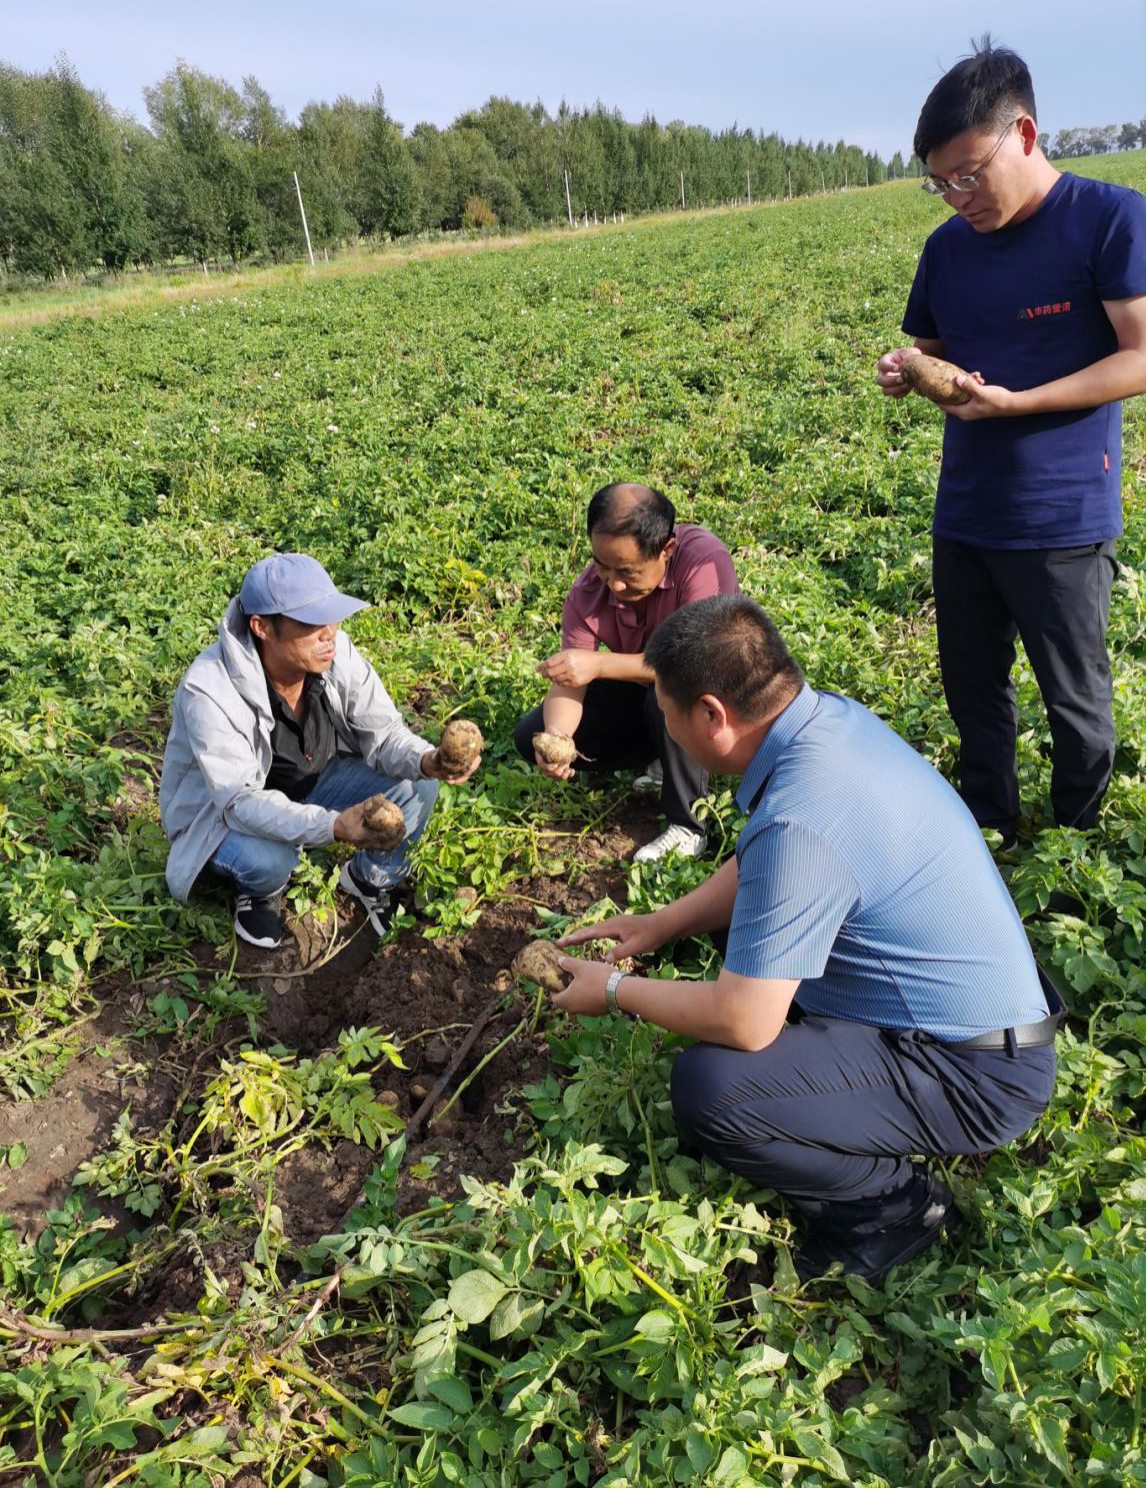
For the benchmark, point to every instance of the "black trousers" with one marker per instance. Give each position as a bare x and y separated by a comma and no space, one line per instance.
832,1111
1058,601
622,728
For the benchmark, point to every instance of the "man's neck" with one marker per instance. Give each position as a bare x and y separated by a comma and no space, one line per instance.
755,735
287,683
1044,178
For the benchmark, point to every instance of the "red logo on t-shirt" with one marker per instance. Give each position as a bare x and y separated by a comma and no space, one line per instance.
1032,312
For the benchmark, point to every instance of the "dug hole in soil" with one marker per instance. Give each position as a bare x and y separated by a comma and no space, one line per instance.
423,993
426,994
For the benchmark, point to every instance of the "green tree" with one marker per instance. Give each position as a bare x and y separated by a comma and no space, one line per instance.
70,194
205,199
386,190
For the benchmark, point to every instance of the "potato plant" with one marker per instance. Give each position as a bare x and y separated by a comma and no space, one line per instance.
614,1313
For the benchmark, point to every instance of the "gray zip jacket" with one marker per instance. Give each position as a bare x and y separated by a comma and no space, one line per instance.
218,752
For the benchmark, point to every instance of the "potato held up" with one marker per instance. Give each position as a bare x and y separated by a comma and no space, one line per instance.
382,816
538,961
934,378
555,749
460,745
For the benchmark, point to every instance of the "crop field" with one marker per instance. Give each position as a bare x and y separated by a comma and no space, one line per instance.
228,1252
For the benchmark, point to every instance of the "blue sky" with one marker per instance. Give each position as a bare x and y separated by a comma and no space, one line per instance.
812,68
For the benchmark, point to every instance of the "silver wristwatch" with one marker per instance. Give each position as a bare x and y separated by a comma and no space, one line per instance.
611,996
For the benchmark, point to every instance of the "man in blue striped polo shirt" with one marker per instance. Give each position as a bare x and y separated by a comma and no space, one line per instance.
878,997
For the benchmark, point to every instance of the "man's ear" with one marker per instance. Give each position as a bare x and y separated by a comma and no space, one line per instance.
260,627
668,550
715,714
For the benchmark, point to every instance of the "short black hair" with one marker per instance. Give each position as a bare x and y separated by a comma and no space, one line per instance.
626,510
981,91
730,647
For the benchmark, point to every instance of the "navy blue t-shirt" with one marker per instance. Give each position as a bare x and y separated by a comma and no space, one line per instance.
1023,306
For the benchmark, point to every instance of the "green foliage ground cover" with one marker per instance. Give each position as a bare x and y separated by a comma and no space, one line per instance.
617,1314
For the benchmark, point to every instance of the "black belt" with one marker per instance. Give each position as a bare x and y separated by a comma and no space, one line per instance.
1022,1036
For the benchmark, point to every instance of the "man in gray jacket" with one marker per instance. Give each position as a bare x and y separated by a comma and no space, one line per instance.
279,732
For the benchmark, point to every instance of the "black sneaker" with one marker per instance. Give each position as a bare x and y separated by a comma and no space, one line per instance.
376,902
259,922
874,1256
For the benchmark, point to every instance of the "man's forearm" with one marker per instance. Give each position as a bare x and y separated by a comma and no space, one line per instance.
706,908
621,667
563,708
1121,375
739,1012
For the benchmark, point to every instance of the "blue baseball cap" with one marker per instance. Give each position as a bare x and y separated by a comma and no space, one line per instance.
295,585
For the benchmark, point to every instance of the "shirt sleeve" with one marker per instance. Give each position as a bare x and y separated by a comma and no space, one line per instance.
713,574
575,633
383,739
1121,267
918,319
794,894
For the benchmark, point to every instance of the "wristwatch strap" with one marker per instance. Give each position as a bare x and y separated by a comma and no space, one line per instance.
611,996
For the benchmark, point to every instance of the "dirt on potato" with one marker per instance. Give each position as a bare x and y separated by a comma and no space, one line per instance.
554,749
934,378
460,745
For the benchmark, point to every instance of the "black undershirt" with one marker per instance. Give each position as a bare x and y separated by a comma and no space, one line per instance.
301,751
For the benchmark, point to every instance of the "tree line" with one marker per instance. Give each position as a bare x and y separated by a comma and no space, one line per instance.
1096,140
211,175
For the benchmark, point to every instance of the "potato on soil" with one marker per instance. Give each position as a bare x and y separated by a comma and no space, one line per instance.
460,745
555,749
538,961
934,378
382,816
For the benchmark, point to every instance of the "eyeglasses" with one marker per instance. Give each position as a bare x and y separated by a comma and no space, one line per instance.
937,186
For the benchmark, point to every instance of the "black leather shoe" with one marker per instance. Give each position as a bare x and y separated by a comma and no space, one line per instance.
872,1257
259,922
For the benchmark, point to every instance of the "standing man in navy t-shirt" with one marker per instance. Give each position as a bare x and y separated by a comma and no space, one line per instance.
1037,286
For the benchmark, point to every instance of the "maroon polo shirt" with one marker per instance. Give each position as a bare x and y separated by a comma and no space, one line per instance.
700,566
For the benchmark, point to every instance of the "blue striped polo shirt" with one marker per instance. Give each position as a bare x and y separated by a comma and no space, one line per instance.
864,875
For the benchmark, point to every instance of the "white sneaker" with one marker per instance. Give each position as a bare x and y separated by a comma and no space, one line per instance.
377,903
674,839
652,779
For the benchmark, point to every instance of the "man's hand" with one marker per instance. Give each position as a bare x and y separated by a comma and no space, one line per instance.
350,828
586,993
887,373
988,401
634,935
571,668
554,772
431,767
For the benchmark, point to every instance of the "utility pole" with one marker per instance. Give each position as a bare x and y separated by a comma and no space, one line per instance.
789,183
682,191
568,202
302,214
823,183
749,188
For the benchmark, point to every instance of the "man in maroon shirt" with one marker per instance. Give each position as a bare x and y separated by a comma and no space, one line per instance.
600,691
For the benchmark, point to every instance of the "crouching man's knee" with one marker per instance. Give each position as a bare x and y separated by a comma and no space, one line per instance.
527,726
696,1088
257,866
423,795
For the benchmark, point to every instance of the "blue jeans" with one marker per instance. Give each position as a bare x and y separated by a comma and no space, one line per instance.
262,866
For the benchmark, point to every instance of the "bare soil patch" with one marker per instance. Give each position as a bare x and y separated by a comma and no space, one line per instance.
424,993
